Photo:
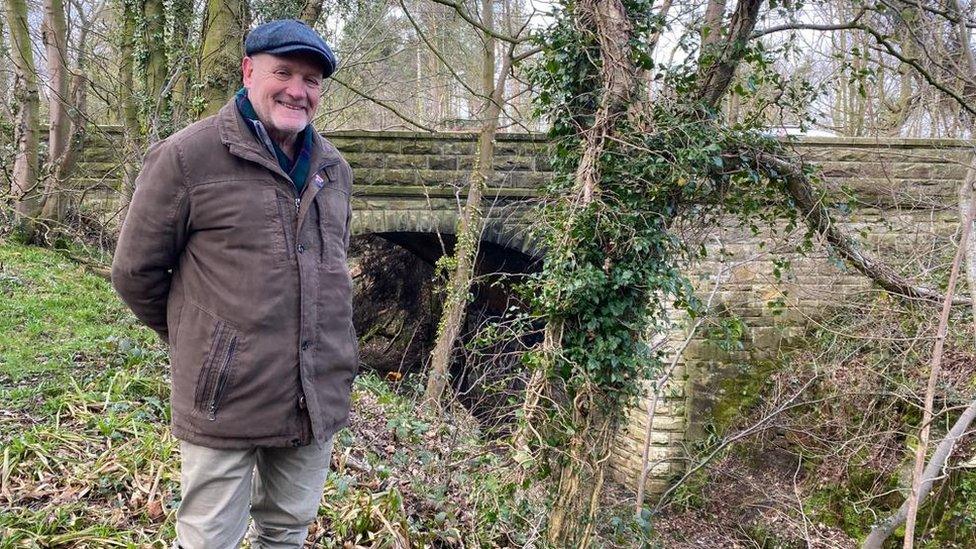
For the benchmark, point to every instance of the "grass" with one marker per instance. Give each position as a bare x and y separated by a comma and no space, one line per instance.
87,460
54,316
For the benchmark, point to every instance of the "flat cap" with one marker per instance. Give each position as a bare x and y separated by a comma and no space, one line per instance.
284,36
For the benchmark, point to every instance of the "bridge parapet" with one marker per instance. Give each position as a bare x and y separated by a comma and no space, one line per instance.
898,196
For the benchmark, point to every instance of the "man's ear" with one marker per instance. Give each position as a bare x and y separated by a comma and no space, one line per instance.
247,71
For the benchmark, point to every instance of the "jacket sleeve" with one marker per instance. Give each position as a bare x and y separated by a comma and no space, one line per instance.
153,236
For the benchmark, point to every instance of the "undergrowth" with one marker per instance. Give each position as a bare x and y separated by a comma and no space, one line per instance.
823,469
88,460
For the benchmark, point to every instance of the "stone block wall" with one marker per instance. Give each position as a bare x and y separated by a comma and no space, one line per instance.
897,196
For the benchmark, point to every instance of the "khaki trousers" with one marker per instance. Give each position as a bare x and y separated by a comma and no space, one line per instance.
281,486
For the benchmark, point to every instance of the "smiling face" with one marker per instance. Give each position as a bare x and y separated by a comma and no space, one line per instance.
285,92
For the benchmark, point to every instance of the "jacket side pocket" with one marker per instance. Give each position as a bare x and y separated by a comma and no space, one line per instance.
217,371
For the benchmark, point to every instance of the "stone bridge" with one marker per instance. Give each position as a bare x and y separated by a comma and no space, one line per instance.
897,195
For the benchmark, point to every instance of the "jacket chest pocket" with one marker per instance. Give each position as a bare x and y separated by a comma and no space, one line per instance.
217,372
332,207
280,219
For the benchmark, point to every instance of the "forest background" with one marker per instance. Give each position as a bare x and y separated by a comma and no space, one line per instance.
661,118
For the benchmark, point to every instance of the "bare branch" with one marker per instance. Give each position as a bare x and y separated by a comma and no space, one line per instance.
914,63
385,105
475,23
437,52
800,189
852,24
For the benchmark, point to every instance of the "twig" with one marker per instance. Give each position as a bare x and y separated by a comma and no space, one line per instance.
483,28
800,189
659,383
852,24
385,105
935,367
754,428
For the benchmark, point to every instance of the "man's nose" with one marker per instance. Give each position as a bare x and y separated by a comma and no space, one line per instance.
296,87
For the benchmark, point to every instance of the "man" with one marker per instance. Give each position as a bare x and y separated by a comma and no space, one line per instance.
234,251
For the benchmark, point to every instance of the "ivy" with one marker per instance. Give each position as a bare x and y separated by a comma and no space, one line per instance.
613,272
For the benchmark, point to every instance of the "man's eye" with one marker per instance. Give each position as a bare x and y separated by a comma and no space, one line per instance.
283,75
313,82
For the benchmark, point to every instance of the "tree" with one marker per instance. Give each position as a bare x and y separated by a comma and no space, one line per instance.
626,169
468,232
55,37
224,26
27,106
181,46
156,85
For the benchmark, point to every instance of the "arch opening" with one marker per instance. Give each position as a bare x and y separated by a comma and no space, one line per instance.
397,307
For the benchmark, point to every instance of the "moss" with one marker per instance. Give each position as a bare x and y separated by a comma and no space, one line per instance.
949,517
740,389
836,506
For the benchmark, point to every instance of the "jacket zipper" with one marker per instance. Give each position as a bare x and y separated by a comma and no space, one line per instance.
221,381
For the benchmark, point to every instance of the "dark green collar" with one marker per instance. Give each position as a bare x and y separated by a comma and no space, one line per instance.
297,170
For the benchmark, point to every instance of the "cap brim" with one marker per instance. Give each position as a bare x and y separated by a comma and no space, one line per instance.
324,61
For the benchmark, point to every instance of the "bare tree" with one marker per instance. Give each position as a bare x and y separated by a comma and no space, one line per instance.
468,233
27,105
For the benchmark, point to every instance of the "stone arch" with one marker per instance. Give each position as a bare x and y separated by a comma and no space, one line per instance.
506,231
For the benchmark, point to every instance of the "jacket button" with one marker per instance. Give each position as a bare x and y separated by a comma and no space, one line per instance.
301,248
301,402
306,345
296,442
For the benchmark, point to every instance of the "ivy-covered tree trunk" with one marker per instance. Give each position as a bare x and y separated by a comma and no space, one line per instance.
180,51
5,85
593,414
468,232
132,134
611,260
27,104
582,473
224,25
157,89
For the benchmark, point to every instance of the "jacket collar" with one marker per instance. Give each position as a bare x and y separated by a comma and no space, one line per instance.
241,142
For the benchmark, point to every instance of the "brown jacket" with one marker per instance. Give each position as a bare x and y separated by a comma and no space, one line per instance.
247,282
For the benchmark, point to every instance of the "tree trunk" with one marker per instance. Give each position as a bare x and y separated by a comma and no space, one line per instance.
468,234
132,133
717,72
156,70
180,52
55,35
712,28
967,72
582,470
5,84
224,25
27,105
582,473
64,166
6,109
